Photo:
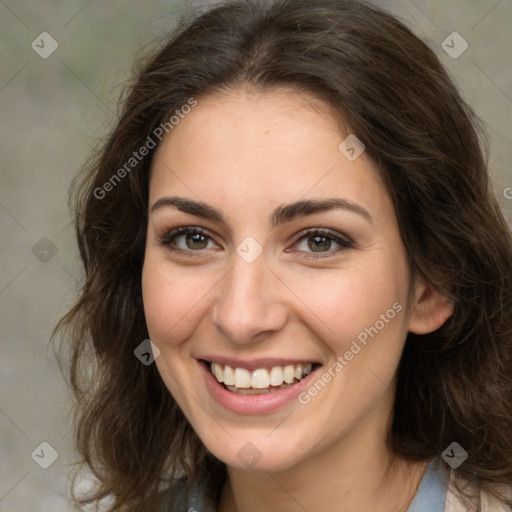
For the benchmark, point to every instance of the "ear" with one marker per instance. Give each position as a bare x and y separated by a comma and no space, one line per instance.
429,309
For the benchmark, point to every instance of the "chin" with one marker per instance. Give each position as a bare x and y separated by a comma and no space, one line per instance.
257,453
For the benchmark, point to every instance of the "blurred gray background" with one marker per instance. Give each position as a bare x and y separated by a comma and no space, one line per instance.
54,110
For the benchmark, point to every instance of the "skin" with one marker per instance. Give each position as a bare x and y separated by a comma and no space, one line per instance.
246,153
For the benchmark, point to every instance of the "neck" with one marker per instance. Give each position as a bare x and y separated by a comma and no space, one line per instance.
347,491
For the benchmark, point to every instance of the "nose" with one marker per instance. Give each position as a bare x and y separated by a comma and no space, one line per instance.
249,305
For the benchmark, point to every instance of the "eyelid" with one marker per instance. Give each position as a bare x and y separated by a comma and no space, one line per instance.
343,241
341,238
168,237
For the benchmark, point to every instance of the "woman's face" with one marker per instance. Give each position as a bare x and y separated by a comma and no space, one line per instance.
291,262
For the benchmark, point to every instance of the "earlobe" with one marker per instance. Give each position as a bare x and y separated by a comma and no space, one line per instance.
430,309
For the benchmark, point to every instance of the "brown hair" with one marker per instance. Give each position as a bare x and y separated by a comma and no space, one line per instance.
454,384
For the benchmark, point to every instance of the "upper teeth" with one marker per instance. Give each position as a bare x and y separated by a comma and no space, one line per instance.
261,377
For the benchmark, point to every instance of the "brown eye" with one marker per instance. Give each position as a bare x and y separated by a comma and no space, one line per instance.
196,241
319,244
188,238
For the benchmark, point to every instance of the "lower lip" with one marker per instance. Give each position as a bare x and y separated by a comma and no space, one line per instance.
253,404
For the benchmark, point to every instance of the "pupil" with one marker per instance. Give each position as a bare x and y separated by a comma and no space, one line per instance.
197,240
319,243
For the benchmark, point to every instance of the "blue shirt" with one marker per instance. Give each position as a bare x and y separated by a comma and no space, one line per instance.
430,497
431,494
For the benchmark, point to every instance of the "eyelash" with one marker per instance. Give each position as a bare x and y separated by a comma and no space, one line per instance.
168,238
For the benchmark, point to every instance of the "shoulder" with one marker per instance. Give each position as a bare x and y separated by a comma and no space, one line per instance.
489,502
184,497
175,498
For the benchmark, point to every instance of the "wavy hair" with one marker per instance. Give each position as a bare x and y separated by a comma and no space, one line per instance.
454,384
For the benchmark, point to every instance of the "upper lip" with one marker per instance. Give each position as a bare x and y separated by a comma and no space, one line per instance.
253,364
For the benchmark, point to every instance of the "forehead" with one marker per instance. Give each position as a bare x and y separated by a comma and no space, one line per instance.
247,149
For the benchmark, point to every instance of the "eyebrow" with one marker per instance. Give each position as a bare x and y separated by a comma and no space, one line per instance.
282,214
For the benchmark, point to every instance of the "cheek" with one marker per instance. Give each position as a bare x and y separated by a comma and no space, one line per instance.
363,325
173,301
346,302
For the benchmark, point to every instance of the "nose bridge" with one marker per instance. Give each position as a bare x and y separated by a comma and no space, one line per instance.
247,303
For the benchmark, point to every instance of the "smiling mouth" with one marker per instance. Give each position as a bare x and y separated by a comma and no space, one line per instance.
260,380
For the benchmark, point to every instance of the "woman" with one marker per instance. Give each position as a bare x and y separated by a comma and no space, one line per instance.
295,209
